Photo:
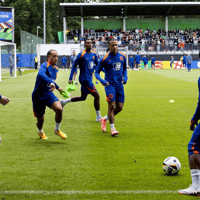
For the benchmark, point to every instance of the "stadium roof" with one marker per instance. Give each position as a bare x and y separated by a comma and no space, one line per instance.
131,8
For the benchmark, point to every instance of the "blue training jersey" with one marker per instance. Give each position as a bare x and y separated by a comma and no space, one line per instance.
137,58
184,58
115,69
64,60
131,60
86,62
196,115
45,77
73,58
144,59
153,60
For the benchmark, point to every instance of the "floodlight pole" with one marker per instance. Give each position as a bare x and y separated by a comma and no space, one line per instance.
37,33
44,24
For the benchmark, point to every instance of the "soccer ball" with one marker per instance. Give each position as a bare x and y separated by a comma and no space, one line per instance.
171,165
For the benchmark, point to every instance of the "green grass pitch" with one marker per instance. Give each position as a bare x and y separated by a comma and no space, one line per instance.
91,164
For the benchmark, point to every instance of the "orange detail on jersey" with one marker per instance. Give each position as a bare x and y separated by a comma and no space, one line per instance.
121,58
193,146
105,57
195,152
48,64
56,67
83,53
123,54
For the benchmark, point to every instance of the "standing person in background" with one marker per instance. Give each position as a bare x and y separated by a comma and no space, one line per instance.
64,62
18,67
189,61
145,60
185,61
131,60
73,58
153,60
172,61
11,63
137,61
36,61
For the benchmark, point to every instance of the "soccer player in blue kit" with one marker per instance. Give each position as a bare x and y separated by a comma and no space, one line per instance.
73,58
137,61
114,65
86,61
194,153
43,95
184,61
153,60
145,60
131,60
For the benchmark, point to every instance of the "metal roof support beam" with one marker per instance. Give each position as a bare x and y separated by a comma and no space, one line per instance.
124,23
81,9
166,24
82,25
64,30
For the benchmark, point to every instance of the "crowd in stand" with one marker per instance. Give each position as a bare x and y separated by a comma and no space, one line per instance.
139,39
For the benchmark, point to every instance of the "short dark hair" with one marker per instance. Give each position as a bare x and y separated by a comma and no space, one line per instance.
50,51
87,38
112,39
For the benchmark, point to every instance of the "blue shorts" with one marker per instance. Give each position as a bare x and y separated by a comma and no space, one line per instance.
115,93
145,63
88,87
194,143
39,105
184,63
137,62
63,64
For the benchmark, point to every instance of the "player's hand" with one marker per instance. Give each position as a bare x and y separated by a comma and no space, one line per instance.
193,125
70,81
123,82
52,86
60,90
4,100
107,83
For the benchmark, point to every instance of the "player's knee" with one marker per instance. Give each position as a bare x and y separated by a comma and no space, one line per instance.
120,108
111,107
83,98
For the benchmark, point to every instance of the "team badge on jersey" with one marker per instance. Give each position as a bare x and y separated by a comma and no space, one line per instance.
90,65
121,58
116,66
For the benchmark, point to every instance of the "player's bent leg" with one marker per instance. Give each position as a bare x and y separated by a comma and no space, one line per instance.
57,107
118,108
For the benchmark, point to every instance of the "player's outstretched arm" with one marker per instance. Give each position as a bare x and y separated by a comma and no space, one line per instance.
4,100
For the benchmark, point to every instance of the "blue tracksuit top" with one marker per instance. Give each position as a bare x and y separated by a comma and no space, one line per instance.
137,58
184,58
86,62
189,59
131,60
64,60
46,75
145,60
153,60
73,58
115,69
172,60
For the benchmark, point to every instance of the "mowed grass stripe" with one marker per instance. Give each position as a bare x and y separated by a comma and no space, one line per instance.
71,192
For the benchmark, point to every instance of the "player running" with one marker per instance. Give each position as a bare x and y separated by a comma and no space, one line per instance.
86,61
194,153
73,58
153,60
43,95
114,64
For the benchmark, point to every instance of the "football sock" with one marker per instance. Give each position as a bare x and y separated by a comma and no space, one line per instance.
106,117
195,177
112,126
57,126
40,131
67,101
98,113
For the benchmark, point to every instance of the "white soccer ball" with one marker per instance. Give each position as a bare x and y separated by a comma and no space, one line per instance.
171,165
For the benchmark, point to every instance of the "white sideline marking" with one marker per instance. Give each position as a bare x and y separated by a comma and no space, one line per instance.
90,192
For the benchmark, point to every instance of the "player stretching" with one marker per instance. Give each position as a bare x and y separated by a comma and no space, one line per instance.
86,61
43,95
194,153
114,64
